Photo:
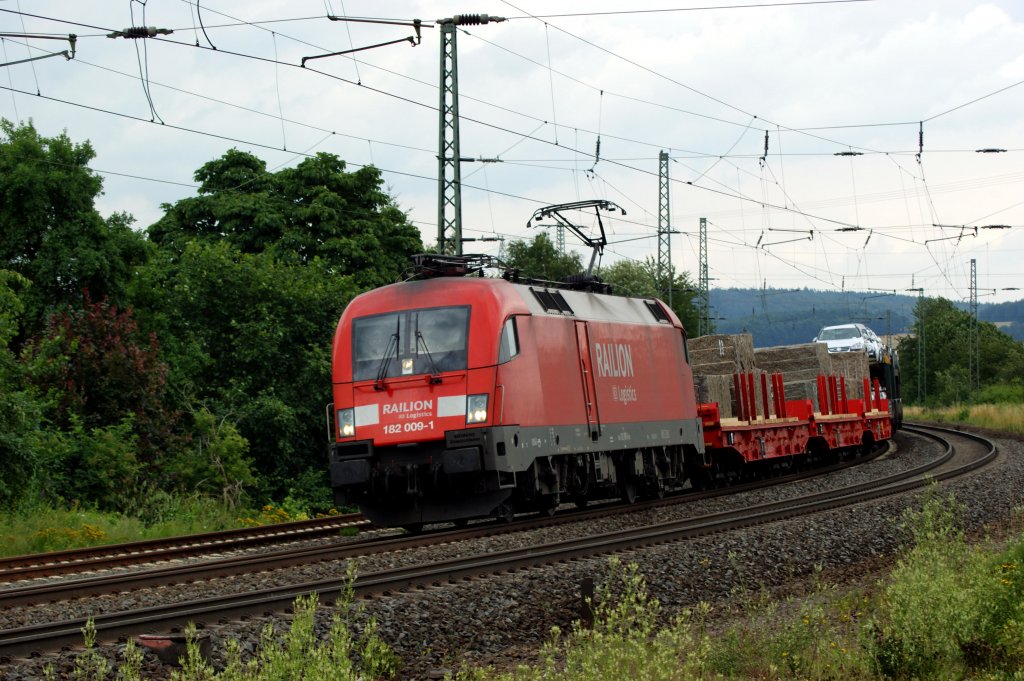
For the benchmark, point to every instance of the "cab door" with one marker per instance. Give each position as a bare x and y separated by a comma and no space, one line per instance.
587,377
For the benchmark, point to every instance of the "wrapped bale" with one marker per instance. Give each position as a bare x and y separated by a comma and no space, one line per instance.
803,390
714,359
716,388
803,362
853,367
721,354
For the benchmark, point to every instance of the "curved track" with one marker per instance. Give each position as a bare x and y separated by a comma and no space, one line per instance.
972,452
95,585
19,568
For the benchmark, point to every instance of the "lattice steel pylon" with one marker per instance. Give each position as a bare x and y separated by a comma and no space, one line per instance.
449,173
974,345
665,273
703,283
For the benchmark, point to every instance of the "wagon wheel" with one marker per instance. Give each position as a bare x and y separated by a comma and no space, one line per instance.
628,490
550,504
658,488
413,528
506,512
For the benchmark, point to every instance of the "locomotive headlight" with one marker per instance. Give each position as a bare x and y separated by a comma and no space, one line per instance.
476,408
346,423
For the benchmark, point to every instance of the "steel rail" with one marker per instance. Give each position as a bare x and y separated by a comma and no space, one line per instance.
16,568
15,596
38,637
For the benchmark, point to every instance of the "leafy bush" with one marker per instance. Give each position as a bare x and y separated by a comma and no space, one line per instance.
1001,393
948,607
216,462
92,466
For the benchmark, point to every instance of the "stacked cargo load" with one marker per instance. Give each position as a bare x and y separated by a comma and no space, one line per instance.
714,360
853,368
800,366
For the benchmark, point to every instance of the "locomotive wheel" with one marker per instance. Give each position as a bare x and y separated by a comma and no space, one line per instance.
580,501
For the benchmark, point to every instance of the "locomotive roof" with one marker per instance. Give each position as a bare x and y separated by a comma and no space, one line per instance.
514,297
593,306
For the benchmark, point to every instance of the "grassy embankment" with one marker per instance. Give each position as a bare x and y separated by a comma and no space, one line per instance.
42,528
1008,418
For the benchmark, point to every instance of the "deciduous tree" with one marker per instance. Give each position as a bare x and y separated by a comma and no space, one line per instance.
50,230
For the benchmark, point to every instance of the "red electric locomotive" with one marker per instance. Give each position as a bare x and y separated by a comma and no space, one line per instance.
461,396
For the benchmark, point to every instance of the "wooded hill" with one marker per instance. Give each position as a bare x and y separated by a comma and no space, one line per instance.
788,316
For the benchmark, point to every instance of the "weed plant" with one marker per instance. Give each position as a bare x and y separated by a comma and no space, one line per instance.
298,653
625,641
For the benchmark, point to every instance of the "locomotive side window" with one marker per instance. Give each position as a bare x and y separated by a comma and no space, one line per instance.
410,342
509,346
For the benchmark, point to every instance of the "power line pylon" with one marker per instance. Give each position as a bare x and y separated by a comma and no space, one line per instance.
703,283
449,174
974,346
665,273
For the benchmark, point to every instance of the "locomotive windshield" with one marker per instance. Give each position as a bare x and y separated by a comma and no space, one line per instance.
410,342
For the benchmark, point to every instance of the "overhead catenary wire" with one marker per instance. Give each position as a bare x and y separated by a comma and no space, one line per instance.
390,94
604,179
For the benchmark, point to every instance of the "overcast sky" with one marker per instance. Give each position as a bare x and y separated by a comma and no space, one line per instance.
539,90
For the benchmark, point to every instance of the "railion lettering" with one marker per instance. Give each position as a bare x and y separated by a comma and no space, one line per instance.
613,360
406,407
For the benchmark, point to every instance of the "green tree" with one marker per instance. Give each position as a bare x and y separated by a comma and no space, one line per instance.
50,231
248,284
20,410
630,278
250,336
946,354
540,259
314,210
98,369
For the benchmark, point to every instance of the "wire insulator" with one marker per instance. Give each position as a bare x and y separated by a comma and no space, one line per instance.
474,19
136,32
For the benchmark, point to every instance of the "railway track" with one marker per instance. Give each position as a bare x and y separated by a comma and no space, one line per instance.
113,625
72,561
95,585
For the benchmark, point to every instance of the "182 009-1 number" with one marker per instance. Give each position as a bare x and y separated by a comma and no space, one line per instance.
409,427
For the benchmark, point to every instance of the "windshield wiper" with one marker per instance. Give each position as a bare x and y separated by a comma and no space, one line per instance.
421,341
385,361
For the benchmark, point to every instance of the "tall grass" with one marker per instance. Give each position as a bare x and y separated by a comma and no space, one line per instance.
1004,417
40,528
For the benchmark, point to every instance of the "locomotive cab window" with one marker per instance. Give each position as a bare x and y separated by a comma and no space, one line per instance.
509,346
410,343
